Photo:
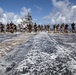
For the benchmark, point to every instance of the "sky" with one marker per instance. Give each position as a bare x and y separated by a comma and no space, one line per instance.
42,11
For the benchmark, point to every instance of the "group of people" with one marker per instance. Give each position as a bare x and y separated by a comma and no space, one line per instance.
11,27
64,28
36,28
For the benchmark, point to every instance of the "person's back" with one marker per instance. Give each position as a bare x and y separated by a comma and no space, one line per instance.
73,27
30,27
62,27
54,28
38,27
48,28
45,28
66,28
2,28
35,27
57,27
41,27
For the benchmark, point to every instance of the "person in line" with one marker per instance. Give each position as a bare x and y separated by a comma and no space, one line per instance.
1,27
48,28
35,27
54,28
62,27
39,28
73,27
66,28
57,28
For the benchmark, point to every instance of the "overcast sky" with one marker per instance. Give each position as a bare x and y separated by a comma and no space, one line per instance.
42,11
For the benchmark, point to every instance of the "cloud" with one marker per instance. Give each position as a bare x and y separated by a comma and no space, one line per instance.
64,12
7,17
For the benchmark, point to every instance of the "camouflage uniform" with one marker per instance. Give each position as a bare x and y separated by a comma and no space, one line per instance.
1,27
73,27
57,28
45,27
39,28
35,27
54,28
48,28
66,28
62,27
29,28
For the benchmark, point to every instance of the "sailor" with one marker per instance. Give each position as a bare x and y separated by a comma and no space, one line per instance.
54,28
7,27
66,28
45,27
24,27
73,27
11,27
30,28
48,28
62,27
27,28
35,27
14,28
20,27
38,27
57,28
41,27
1,27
